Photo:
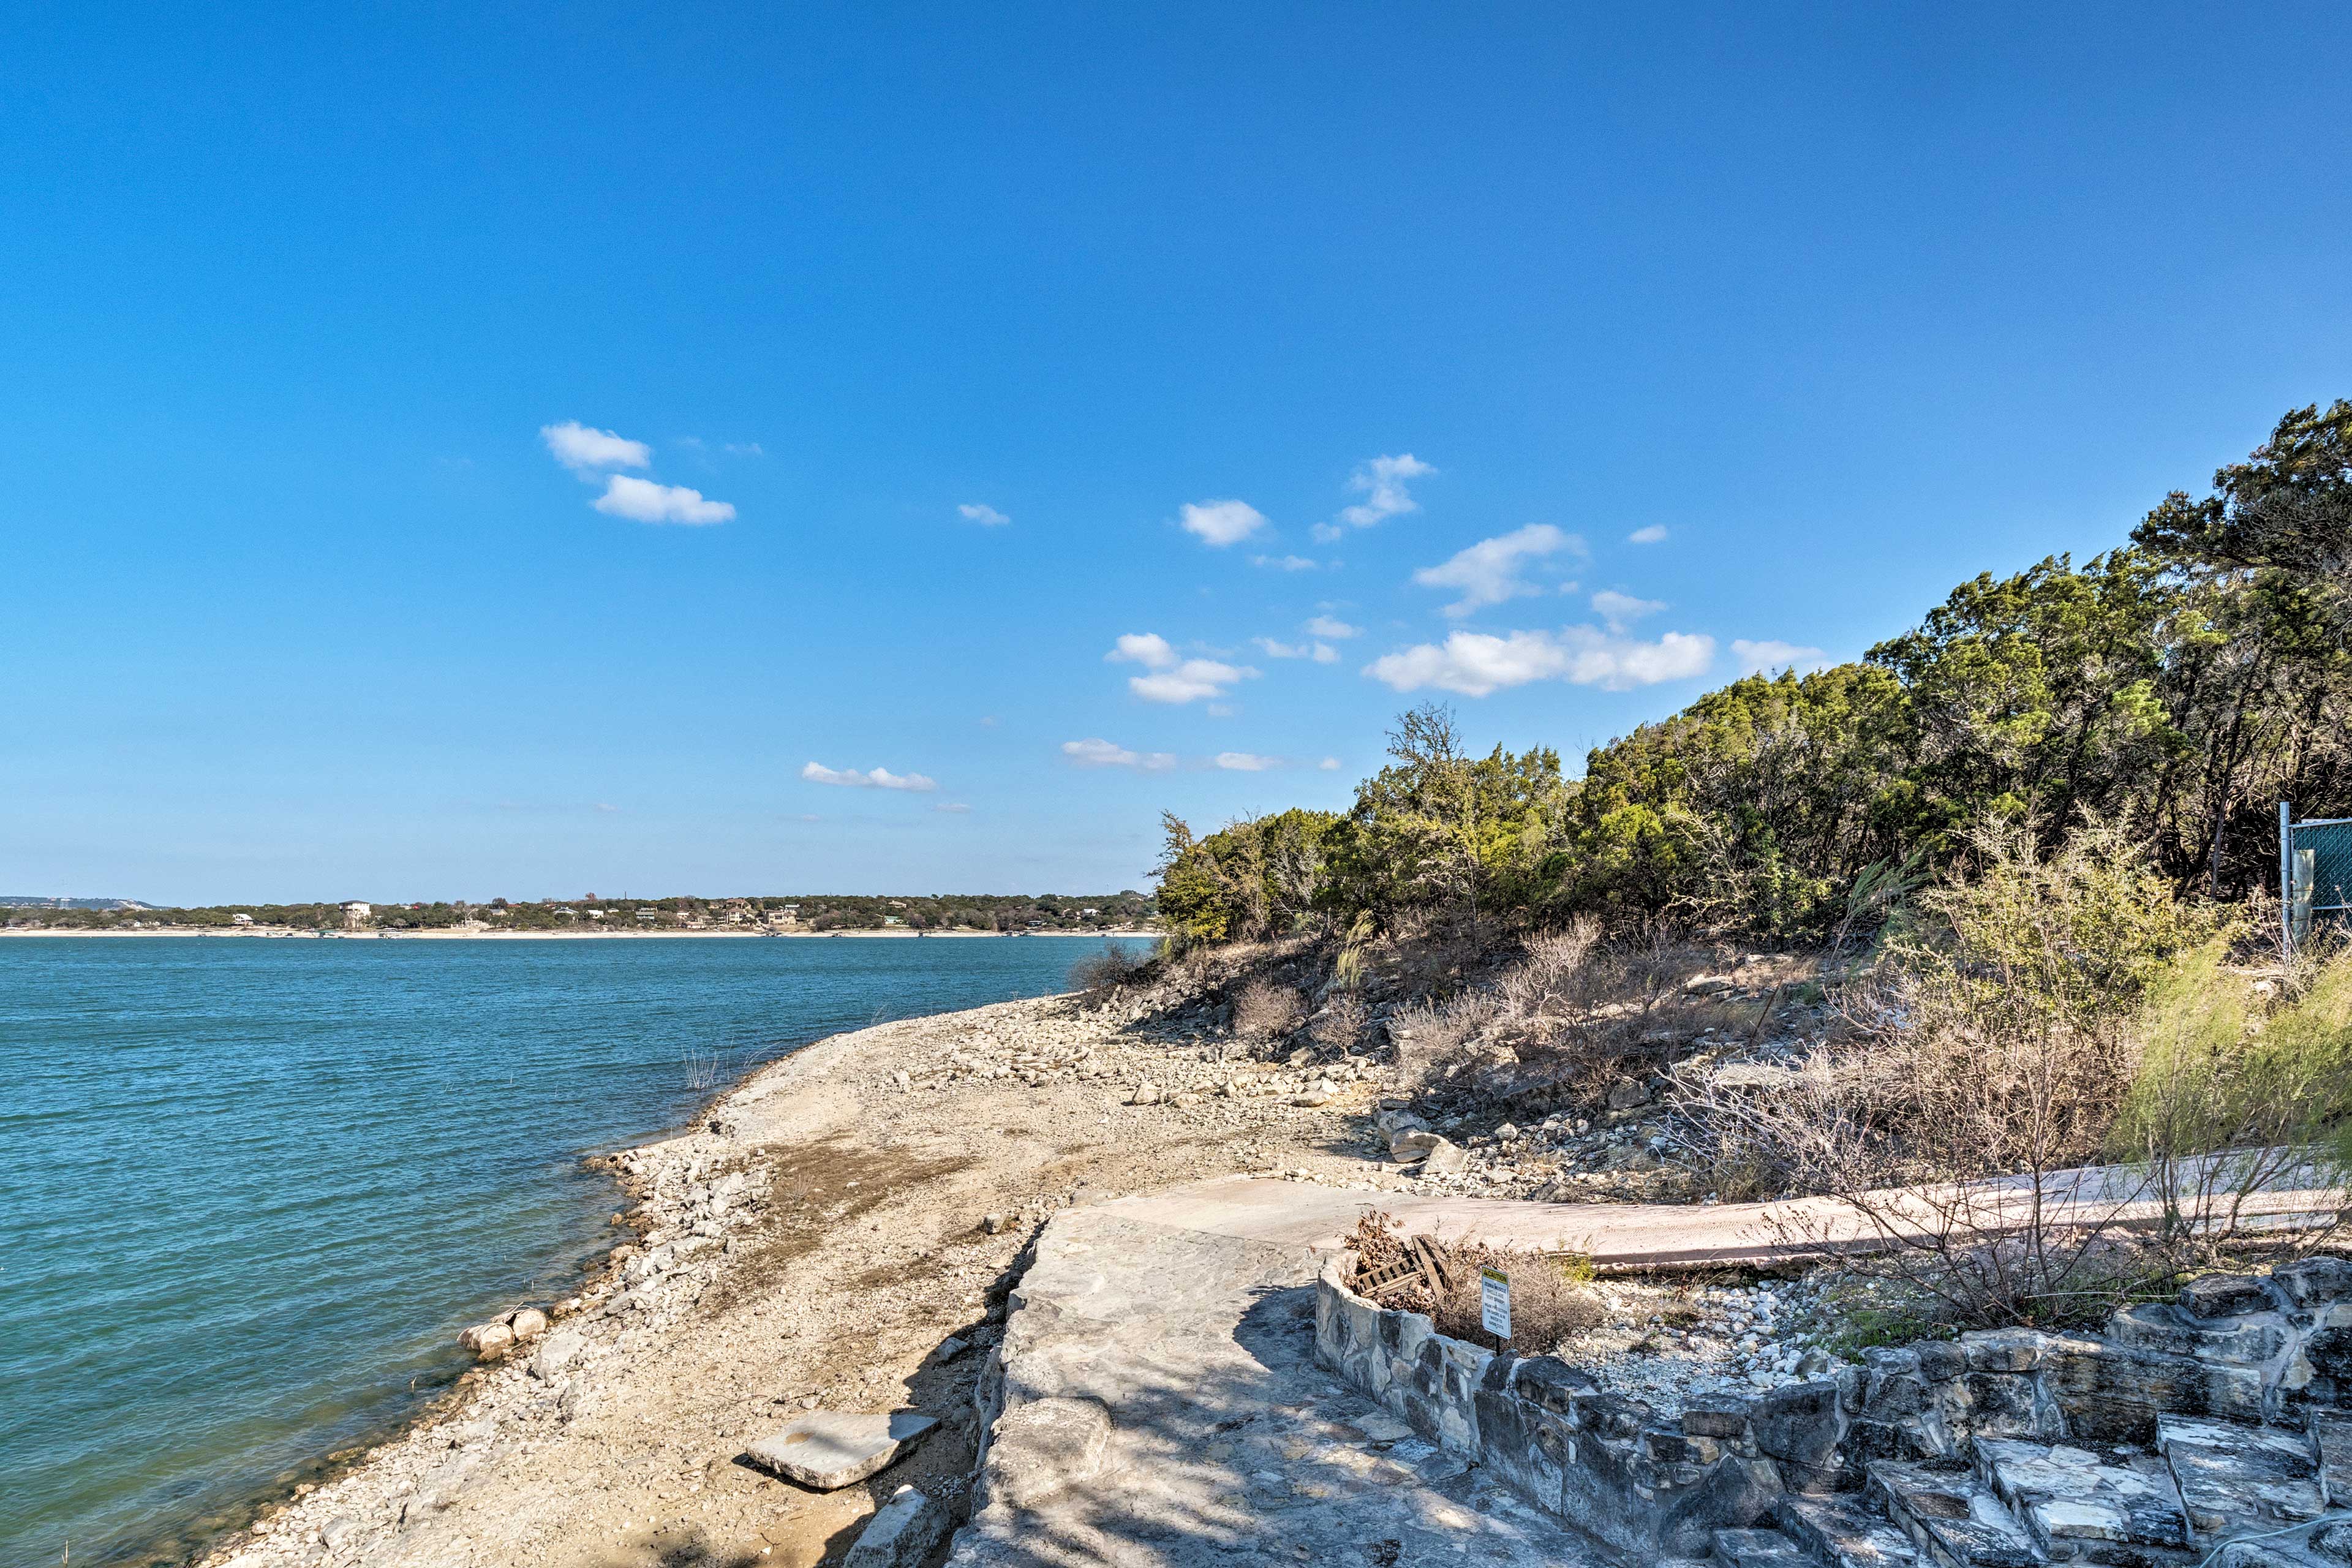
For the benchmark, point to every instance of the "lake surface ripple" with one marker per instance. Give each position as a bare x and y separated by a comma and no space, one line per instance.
252,1187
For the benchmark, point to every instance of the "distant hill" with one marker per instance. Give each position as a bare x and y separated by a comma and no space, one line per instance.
26,902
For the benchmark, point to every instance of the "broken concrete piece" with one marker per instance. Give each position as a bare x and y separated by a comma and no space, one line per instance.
829,1449
901,1534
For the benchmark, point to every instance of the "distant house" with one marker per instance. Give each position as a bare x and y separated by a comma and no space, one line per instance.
240,919
648,915
892,921
357,914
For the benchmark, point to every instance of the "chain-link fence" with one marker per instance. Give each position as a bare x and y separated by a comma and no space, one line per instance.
2315,872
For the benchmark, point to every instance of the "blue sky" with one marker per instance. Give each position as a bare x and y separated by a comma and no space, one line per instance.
330,330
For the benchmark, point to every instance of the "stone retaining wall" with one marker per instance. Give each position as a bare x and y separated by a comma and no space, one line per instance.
2274,1350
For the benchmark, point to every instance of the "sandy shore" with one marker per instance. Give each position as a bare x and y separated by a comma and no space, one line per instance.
816,1240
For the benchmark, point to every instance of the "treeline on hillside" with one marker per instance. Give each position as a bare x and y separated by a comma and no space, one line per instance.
2173,689
953,912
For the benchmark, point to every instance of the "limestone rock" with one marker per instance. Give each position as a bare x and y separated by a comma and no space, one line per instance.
1445,1158
1040,1448
1412,1142
557,1351
1626,1093
2224,1295
901,1534
487,1340
829,1449
1146,1094
527,1325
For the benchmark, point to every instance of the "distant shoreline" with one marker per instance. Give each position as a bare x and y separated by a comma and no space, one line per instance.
285,933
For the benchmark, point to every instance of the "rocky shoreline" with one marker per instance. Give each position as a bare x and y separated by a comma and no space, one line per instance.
840,1231
837,1230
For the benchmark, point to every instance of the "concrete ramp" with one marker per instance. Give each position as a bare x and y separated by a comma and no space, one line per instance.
1631,1237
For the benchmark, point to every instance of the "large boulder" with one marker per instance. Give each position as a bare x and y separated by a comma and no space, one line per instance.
488,1340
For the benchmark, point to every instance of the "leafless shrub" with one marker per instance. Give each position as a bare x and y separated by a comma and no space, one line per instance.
1342,1021
1553,979
1431,1035
1264,1010
1550,1303
1099,975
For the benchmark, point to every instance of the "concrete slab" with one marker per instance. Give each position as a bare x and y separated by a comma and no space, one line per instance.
829,1449
1156,1403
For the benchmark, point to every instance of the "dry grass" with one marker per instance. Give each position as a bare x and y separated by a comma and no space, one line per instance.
1550,1305
1565,1020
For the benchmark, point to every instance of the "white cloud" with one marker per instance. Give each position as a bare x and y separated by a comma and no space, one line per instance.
1327,533
1329,765
1382,484
1338,630
1221,710
1487,572
877,778
1473,663
1622,610
1247,762
1654,534
986,516
1756,658
642,500
1174,679
743,449
1148,649
1284,563
579,447
1193,679
1222,523
1320,652
956,806
1098,753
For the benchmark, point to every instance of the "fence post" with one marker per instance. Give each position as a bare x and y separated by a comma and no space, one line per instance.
2286,881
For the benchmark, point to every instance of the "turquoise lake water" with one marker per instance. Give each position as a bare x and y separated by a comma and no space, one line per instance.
250,1189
